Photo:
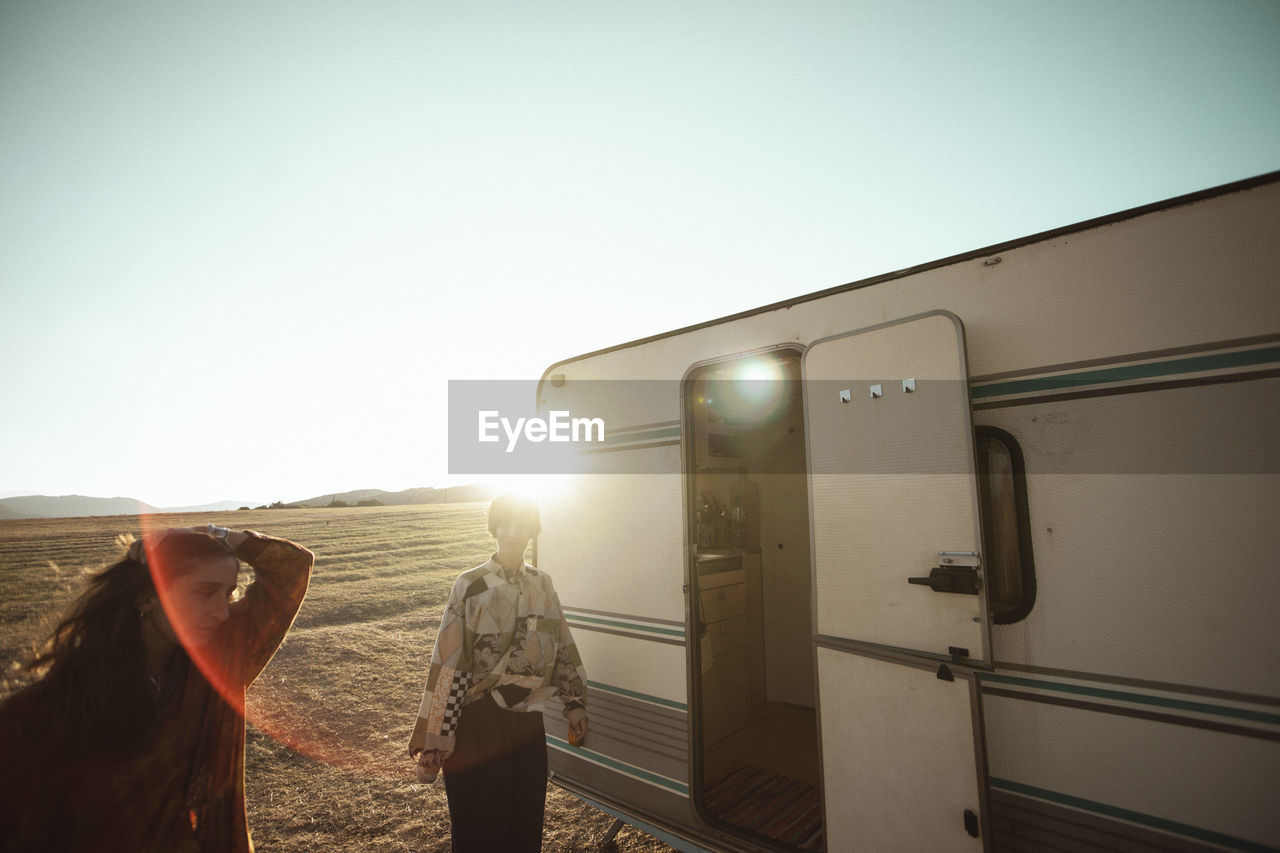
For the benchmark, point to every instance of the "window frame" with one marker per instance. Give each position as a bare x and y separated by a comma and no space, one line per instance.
1027,568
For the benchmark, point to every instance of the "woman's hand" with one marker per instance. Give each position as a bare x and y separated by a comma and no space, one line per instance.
427,765
138,548
578,732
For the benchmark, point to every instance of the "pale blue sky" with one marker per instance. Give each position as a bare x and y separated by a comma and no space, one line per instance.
243,246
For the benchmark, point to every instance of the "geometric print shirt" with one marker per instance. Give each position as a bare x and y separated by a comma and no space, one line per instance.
503,635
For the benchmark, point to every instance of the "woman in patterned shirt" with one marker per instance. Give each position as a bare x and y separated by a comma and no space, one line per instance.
502,655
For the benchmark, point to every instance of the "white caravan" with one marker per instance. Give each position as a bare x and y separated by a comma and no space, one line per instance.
978,555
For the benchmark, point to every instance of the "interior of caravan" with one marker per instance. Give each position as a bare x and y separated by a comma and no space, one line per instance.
755,762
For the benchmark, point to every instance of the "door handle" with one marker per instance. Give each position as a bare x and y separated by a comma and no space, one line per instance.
963,580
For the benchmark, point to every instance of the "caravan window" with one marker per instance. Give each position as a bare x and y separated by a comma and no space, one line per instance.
1002,489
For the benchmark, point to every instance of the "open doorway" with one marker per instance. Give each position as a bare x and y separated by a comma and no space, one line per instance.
756,742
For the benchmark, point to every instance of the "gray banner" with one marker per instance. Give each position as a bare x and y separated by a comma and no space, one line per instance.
518,427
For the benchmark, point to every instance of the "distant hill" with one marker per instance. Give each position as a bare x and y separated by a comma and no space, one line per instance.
72,506
69,506
452,494
350,498
217,506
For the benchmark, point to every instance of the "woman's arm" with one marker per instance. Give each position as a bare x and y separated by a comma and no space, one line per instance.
433,737
281,572
569,675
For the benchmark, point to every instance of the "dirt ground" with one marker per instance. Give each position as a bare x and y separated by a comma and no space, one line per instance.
326,764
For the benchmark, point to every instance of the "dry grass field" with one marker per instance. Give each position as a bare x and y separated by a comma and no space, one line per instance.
329,719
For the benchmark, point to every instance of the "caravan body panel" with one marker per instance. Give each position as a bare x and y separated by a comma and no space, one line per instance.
1135,361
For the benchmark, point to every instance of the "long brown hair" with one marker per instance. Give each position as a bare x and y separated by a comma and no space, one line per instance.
93,691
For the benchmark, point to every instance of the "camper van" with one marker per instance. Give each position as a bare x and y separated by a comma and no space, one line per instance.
977,555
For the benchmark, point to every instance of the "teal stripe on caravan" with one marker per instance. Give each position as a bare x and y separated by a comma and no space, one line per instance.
643,435
620,766
670,632
1242,358
643,697
1138,698
1151,821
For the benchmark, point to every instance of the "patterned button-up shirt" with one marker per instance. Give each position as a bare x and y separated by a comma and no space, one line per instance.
502,634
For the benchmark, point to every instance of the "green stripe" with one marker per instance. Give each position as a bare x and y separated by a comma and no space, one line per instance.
1139,698
643,435
644,697
621,767
1194,364
1159,823
670,632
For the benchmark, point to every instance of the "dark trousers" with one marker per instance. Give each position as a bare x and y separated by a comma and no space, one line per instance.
496,780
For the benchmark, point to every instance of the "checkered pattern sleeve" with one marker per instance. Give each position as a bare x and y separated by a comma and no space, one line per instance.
447,682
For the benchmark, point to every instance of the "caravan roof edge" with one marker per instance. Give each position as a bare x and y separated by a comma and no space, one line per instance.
1108,219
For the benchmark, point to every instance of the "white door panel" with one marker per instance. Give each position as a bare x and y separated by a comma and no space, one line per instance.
893,497
898,748
893,485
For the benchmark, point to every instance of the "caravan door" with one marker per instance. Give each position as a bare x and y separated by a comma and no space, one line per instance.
900,613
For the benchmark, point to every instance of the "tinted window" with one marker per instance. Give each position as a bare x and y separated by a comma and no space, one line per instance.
1006,531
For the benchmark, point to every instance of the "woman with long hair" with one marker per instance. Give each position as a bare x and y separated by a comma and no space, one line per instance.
132,737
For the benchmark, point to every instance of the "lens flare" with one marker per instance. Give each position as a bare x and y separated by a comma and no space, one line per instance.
296,713
753,392
203,629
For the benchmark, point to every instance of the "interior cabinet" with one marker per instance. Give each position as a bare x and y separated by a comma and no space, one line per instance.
726,686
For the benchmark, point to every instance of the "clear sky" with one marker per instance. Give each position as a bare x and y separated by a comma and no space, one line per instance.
244,246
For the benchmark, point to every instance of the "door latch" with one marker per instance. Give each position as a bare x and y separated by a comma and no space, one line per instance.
957,572
958,579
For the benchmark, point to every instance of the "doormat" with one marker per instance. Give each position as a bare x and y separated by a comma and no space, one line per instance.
768,804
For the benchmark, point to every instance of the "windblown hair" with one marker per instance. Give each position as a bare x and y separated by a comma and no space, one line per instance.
93,691
513,507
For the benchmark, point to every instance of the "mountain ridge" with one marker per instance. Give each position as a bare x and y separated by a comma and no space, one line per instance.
79,506
70,506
